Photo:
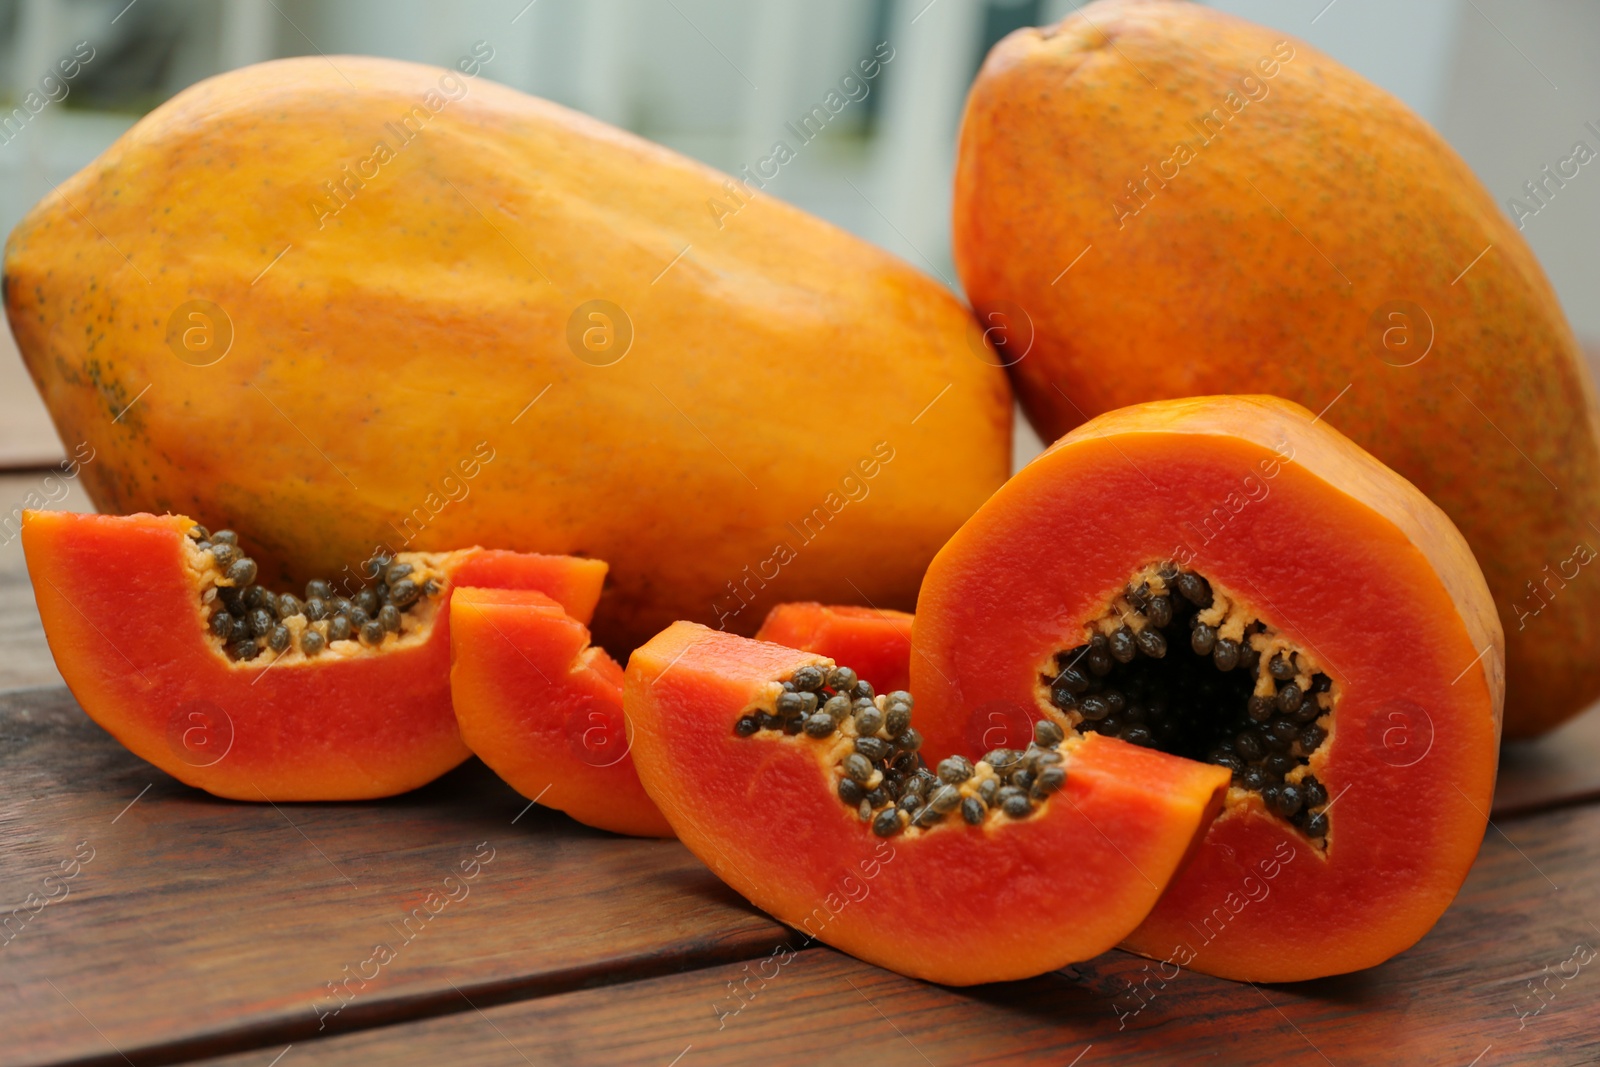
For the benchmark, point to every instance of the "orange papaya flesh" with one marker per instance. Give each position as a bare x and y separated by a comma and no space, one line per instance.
941,898
1327,567
875,642
128,603
543,708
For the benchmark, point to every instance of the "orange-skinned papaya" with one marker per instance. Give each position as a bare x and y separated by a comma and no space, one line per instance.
1275,223
128,604
543,708
349,303
933,895
876,643
1229,580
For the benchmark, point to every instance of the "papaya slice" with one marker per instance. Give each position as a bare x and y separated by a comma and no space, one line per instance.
164,639
1231,581
806,792
543,708
875,642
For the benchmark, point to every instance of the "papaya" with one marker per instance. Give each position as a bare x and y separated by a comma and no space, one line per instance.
166,639
1336,649
352,305
1274,223
875,642
807,792
542,708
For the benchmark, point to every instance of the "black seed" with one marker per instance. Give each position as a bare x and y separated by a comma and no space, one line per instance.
791,705
311,642
341,605
431,588
857,767
769,722
339,628
389,618
987,789
319,588
909,803
1071,680
1316,794
914,786
1047,733
225,554
288,605
199,533
260,622
1226,654
1289,800
367,601
315,609
909,741
873,748
955,769
1099,640
807,679
395,572
1281,668
1261,709
1135,713
792,727
820,725
404,593
1269,795
1248,745
1289,699
1022,778
1249,659
1017,806
879,797
278,640
898,696
851,792
1099,662
1202,639
841,679
245,650
358,618
1284,730
945,799
1002,759
1111,726
1321,683
257,597
227,536
1050,780
220,624
1195,589
746,726
896,721
1253,778
1138,735
1228,760
863,690
1122,647
1094,708
1159,611
886,823
381,591
869,720
372,632
1311,738
1278,764
1317,825
973,811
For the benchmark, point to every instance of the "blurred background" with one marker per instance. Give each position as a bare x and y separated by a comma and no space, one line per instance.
1510,83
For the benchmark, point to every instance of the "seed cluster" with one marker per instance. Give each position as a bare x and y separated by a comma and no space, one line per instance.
249,619
1179,667
882,775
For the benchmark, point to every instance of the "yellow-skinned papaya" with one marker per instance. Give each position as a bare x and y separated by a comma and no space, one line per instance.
1157,200
353,304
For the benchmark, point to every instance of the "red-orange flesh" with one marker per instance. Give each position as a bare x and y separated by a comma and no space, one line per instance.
875,643
954,903
120,601
1331,549
543,708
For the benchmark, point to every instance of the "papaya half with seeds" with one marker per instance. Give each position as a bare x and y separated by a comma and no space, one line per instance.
165,639
1274,223
543,708
434,311
1335,648
806,791
875,642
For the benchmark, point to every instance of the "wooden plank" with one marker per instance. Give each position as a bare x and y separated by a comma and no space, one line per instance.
27,437
193,925
1462,996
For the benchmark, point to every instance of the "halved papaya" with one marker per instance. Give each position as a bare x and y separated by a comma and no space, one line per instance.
1231,581
543,708
805,791
160,632
875,642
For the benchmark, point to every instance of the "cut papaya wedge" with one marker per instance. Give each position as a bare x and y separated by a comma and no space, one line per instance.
771,808
875,642
299,699
543,708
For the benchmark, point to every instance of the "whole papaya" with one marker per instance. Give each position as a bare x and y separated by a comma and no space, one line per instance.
350,304
1167,201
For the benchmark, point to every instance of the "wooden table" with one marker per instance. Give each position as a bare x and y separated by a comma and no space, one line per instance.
196,930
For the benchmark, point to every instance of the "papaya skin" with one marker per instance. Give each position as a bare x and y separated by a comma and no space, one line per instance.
1268,262
121,611
1331,549
403,375
875,643
954,904
543,708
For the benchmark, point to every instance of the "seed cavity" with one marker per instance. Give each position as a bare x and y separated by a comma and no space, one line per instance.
1206,680
882,777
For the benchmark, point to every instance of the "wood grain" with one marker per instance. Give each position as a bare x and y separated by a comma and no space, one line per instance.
1454,1000
200,925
